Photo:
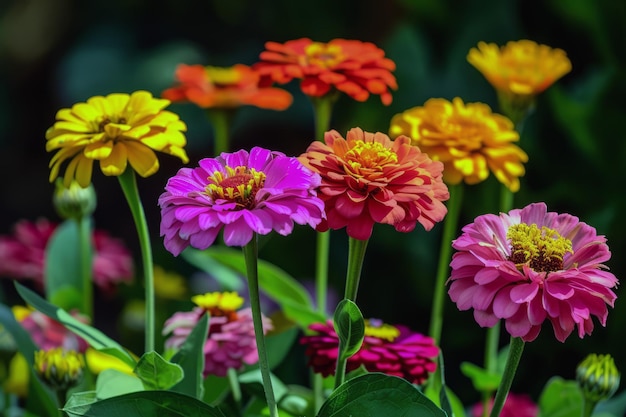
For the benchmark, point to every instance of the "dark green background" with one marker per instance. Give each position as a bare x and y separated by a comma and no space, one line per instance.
54,53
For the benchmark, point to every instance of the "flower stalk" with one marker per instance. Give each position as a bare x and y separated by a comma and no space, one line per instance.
220,120
515,353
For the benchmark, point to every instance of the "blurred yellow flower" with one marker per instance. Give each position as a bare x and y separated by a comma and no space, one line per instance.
115,130
469,139
59,368
169,285
18,376
522,68
99,361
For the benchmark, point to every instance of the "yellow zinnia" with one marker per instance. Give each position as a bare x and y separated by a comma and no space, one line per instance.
115,130
469,139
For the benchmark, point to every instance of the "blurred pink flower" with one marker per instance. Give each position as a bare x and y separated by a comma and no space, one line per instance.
22,255
242,193
531,265
230,342
393,350
516,405
48,333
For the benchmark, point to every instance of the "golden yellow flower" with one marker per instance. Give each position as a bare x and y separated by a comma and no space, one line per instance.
469,139
522,68
115,130
59,368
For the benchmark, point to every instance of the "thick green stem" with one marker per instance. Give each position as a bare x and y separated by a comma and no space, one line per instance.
588,407
86,264
220,120
250,252
129,187
515,353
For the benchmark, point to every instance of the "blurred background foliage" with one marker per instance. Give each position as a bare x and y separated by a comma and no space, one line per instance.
54,53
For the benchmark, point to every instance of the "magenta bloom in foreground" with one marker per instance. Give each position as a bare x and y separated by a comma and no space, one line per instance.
529,266
240,193
393,350
516,405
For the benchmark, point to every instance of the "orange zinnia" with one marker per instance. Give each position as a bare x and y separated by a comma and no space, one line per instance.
353,67
225,87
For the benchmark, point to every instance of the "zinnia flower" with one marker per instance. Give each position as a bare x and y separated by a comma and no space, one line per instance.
22,255
352,67
469,139
114,130
242,193
529,266
522,68
516,405
393,350
225,87
368,178
48,333
59,368
230,343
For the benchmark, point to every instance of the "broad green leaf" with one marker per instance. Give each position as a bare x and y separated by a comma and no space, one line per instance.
81,399
190,357
157,373
350,328
62,272
560,398
94,337
112,383
482,379
279,345
375,395
292,297
226,276
145,403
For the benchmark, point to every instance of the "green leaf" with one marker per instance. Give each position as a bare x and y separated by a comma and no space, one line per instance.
63,275
112,383
190,357
81,399
94,337
560,398
292,297
156,373
615,406
253,382
482,379
350,328
279,345
375,395
143,404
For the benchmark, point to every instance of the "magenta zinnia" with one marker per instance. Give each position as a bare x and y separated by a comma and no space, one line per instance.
230,342
393,350
240,193
367,178
529,266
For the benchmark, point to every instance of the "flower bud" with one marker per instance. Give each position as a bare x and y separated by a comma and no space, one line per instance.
74,202
598,377
59,368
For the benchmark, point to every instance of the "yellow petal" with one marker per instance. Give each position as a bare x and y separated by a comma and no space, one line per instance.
115,164
85,111
99,150
19,373
84,171
141,158
98,361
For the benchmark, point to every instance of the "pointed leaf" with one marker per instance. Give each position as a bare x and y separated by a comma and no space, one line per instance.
482,379
560,398
190,357
156,372
112,383
350,328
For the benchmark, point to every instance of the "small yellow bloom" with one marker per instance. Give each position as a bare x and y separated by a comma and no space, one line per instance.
169,285
19,375
469,139
59,368
115,130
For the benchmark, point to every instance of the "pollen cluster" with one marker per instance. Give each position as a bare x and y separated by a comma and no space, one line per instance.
541,249
238,185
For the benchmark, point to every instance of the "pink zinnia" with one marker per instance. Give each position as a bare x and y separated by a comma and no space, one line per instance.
48,333
241,193
230,342
516,405
393,350
22,255
367,178
531,265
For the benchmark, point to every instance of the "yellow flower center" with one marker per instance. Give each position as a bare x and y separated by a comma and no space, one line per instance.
223,76
369,156
323,55
219,304
541,249
238,185
377,328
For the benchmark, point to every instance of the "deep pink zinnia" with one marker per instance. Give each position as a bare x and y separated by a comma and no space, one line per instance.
531,265
367,178
48,333
240,193
393,350
516,405
22,255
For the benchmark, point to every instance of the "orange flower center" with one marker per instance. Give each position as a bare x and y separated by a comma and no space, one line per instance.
238,185
541,249
323,55
365,157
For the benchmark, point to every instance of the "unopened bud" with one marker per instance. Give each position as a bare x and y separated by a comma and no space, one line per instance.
74,202
598,377
59,368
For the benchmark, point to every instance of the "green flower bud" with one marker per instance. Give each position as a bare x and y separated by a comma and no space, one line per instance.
598,377
74,202
59,368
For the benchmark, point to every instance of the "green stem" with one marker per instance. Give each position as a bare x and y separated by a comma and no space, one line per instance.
129,187
491,361
250,252
321,270
235,388
588,407
61,398
86,264
220,119
322,111
515,353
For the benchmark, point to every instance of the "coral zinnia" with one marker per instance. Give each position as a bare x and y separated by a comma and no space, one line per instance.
368,178
241,193
227,87
469,139
531,265
393,350
522,68
352,67
230,343
115,130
